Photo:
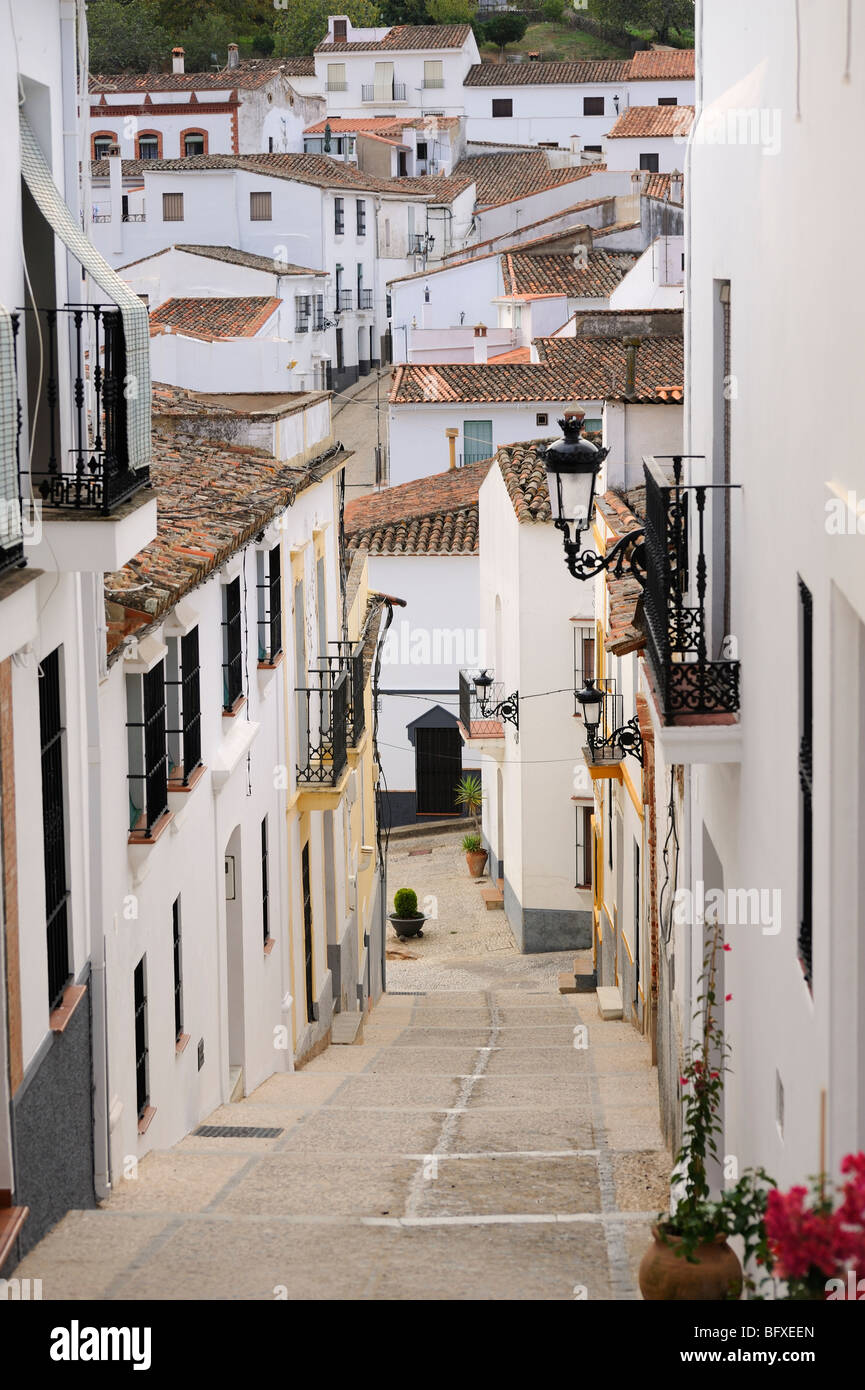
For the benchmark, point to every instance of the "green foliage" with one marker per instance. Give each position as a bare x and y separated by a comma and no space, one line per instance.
303,23
404,12
504,28
660,16
472,844
469,794
405,902
553,10
450,11
125,37
205,42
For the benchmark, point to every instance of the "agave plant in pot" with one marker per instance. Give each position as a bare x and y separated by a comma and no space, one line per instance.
405,918
690,1258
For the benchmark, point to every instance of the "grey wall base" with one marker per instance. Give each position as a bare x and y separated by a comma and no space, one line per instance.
314,1032
52,1130
539,929
343,964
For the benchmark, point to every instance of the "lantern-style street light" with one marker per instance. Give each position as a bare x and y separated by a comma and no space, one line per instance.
626,739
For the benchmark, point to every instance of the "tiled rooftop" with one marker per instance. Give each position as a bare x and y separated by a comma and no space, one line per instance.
663,62
548,74
561,275
525,477
653,122
249,73
660,186
231,257
215,318
379,125
410,38
623,635
501,178
437,515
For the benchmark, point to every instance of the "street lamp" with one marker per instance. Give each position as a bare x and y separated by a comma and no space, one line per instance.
573,465
506,709
626,739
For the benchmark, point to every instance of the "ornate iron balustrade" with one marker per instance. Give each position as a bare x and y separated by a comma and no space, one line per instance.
364,299
349,658
689,680
612,739
484,715
343,301
323,728
94,474
394,92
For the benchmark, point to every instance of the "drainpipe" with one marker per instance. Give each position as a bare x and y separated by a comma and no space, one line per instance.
452,443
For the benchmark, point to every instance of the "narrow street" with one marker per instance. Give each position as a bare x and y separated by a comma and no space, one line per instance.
360,421
477,1144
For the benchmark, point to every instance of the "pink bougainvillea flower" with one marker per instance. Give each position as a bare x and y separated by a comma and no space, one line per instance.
728,997
727,947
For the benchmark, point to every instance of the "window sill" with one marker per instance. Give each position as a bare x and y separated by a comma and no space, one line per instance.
58,1019
181,1044
176,788
144,1120
269,945
272,665
136,838
235,709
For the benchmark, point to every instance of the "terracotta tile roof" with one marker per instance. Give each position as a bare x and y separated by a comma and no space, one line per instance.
547,74
652,122
215,318
570,369
660,186
177,402
525,477
316,169
501,178
460,258
560,275
410,38
212,499
624,629
437,515
598,232
520,354
232,257
379,125
662,62
248,74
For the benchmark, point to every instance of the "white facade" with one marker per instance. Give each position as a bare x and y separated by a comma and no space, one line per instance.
657,281
640,152
381,81
555,112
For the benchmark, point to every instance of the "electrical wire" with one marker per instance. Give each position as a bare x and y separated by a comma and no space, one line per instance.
672,833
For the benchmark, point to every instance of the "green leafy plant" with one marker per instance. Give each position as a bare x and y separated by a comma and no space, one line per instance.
472,844
469,794
741,1209
405,903
301,24
504,28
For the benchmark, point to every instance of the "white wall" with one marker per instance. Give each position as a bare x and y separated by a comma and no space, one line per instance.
408,68
624,152
657,281
632,431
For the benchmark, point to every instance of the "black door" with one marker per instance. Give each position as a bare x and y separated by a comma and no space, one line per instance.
438,768
307,933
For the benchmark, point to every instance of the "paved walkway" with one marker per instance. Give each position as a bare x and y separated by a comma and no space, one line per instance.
492,1142
359,419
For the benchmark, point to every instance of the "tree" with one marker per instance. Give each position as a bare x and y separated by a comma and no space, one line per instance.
451,11
205,41
505,28
553,10
301,24
404,12
125,37
658,15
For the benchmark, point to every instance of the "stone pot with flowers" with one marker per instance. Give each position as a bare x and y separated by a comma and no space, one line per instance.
405,918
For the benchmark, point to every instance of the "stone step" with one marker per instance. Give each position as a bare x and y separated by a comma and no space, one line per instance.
567,983
235,1084
494,898
609,1002
347,1029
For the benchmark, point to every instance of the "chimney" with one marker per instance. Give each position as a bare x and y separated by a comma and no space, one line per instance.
480,342
177,56
233,55
631,346
451,436
676,187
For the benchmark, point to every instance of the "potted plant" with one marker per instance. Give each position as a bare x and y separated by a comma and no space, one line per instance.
476,855
690,1258
405,918
818,1248
469,795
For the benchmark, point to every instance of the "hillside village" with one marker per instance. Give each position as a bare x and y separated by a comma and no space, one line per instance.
398,469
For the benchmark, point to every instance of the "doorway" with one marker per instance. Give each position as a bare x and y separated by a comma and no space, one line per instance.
311,1011
234,950
438,768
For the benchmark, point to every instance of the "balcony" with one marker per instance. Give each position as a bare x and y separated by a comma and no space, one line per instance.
364,299
437,82
395,92
336,86
349,658
484,707
343,301
322,718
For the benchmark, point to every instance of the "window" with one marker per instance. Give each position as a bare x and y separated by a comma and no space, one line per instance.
52,751
637,896
172,207
587,652
593,106
232,645
340,28
542,419
433,73
307,933
477,440
270,144
806,751
142,1094
265,886
360,208
584,847
261,207
178,973
517,316
503,106
195,142
318,321
421,149
593,149
302,307
383,88
147,749
269,605
101,145
340,351
148,147
336,77
387,232
339,216
610,823
593,426
649,162
668,101
183,708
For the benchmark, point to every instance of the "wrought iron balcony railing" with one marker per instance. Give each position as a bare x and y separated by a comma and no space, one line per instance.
364,299
343,301
322,717
93,473
679,517
394,92
349,658
484,706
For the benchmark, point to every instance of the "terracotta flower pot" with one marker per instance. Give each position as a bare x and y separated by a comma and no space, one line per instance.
670,1278
476,860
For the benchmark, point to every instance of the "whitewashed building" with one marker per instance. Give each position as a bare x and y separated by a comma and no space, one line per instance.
412,69
651,138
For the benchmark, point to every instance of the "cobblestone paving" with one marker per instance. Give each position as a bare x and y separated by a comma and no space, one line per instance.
488,1139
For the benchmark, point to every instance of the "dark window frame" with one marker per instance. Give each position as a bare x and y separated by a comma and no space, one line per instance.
232,644
339,216
649,163
187,684
258,215
501,102
153,751
53,767
177,953
142,1050
594,106
168,203
270,644
265,883
360,214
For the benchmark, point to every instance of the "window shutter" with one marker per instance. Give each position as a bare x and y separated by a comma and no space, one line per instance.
383,90
172,207
336,77
433,73
261,207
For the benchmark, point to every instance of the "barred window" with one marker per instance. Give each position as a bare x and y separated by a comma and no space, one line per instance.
147,749
338,216
232,645
269,605
183,704
302,309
